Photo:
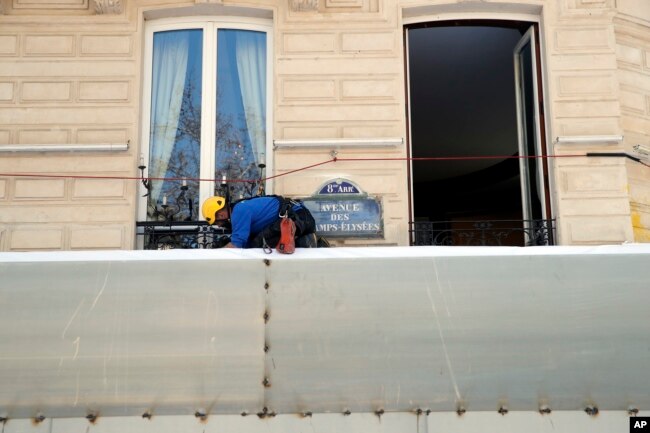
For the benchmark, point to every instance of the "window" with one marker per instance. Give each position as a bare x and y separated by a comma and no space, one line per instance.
476,123
206,113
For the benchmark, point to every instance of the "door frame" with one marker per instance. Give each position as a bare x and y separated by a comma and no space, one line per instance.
494,20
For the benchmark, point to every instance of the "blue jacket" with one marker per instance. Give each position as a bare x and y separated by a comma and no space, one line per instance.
251,216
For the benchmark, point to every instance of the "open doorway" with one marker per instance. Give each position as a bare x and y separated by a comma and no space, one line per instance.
475,111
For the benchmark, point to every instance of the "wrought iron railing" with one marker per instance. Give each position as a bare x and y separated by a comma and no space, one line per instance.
159,235
483,233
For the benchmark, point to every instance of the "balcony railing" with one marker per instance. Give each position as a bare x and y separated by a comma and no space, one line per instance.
483,233
181,235
158,235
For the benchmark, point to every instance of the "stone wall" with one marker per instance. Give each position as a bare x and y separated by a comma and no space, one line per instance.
340,75
67,77
590,193
632,27
70,73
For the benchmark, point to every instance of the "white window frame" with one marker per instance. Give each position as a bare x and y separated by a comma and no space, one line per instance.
528,38
210,26
453,12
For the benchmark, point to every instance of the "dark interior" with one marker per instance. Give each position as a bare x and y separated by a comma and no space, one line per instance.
463,104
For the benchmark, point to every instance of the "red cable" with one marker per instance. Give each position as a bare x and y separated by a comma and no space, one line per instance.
462,158
335,159
299,169
140,178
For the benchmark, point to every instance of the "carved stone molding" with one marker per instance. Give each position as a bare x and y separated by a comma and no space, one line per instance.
107,7
303,5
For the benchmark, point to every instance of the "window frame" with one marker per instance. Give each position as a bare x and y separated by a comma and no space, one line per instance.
210,26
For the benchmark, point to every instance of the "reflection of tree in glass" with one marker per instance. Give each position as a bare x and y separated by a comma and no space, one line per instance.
184,161
234,158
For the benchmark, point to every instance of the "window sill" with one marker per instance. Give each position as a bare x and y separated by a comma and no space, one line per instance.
30,148
338,143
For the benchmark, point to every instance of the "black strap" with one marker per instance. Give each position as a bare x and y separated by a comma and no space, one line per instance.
285,205
265,246
279,197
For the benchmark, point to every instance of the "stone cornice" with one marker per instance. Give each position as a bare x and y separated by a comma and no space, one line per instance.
303,5
107,7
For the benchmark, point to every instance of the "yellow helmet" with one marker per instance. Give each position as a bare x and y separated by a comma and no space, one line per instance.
210,208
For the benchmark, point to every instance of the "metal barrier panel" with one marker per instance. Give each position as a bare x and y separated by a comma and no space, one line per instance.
442,328
366,330
126,333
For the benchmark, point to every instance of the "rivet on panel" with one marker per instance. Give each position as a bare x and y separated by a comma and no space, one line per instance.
265,413
591,410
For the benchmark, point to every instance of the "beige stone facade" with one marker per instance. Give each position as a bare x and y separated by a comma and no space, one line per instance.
633,74
71,74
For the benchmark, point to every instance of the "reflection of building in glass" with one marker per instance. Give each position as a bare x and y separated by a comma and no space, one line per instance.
177,107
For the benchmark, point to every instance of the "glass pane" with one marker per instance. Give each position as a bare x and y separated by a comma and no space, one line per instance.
534,189
241,110
175,135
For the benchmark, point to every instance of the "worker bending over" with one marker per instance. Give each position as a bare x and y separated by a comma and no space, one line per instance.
255,222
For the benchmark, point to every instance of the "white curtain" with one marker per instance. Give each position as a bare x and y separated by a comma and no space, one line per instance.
251,67
170,56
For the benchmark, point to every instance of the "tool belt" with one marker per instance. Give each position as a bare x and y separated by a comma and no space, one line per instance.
287,242
273,236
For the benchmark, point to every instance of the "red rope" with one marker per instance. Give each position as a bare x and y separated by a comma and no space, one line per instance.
299,169
335,159
140,178
462,158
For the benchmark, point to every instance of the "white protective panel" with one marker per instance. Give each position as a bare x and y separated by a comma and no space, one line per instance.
396,329
437,328
128,334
